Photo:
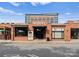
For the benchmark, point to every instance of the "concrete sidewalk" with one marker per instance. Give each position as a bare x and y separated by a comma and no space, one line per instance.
42,41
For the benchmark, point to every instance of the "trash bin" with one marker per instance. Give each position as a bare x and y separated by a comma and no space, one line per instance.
48,39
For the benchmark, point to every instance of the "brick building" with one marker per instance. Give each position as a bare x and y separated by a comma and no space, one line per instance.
40,27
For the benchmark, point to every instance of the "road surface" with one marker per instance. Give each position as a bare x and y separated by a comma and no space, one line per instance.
9,49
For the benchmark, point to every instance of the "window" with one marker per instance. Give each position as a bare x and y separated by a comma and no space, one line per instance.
58,33
1,31
21,31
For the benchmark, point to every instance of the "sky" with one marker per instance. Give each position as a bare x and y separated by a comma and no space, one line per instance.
14,12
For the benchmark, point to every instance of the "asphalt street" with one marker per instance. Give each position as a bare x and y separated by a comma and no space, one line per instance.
38,50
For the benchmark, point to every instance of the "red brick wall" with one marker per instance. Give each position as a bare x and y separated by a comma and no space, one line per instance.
20,38
67,30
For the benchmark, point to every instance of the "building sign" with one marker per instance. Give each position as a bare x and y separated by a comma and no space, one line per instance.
39,22
30,35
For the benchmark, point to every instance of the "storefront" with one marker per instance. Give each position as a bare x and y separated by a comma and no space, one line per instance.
58,31
5,31
39,30
2,33
19,32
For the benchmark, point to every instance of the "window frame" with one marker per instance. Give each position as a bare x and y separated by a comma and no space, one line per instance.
54,31
20,28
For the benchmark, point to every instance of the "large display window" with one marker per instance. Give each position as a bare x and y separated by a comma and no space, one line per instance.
58,33
21,31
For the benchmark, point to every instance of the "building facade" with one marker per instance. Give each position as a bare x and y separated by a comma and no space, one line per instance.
40,27
49,17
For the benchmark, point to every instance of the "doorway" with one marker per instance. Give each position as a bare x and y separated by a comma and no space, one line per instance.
39,32
75,33
8,33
